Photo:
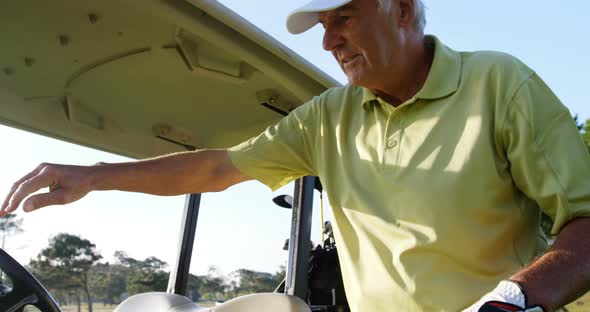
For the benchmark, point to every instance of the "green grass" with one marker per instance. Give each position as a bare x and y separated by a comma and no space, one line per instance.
97,307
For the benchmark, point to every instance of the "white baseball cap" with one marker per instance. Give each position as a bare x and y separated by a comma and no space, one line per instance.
307,16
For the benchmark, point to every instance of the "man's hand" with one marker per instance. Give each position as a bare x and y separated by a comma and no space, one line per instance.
66,184
506,297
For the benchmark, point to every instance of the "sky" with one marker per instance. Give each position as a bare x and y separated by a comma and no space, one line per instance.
241,228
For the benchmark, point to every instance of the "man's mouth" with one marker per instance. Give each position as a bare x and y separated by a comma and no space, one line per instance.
349,59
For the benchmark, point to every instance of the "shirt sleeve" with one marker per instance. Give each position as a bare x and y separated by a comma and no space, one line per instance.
548,160
283,152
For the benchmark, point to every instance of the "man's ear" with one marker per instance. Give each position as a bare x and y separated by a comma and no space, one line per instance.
405,12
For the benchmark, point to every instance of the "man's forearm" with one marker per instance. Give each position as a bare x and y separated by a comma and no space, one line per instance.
563,273
174,174
182,173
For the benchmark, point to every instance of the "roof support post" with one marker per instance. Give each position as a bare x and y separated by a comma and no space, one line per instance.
299,240
179,273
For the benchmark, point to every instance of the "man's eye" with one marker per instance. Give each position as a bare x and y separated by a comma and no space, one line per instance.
344,18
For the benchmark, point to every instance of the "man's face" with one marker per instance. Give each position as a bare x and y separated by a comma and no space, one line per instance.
364,40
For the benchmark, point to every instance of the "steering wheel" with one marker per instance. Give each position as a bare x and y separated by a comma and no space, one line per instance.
26,290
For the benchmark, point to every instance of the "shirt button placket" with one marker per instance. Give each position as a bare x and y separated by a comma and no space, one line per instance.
392,141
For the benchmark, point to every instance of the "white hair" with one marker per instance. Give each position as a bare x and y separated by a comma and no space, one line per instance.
419,12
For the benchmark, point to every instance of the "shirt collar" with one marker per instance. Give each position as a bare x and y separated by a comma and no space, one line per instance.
443,78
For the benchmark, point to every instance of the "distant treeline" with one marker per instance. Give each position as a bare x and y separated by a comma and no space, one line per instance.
70,269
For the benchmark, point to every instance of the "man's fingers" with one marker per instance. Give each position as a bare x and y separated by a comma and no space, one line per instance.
17,184
15,187
57,197
26,188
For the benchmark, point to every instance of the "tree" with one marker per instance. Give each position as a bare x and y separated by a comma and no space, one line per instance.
255,282
584,128
123,259
141,281
10,225
61,284
280,275
65,264
108,282
212,286
193,287
585,131
143,276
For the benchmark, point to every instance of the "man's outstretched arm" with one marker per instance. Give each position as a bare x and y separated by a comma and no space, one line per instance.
181,173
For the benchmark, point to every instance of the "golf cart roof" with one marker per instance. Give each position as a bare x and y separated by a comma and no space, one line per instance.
145,77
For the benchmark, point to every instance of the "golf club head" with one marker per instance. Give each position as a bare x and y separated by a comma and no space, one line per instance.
285,201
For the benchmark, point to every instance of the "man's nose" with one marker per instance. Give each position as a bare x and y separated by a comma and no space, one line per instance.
332,39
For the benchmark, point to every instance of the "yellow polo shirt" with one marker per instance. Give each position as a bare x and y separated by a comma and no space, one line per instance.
438,199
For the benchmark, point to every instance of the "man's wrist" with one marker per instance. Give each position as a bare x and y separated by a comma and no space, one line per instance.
527,298
507,296
96,177
513,293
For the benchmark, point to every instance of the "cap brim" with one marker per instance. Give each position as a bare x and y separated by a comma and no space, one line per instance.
307,16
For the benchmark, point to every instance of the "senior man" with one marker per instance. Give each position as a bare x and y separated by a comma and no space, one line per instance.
437,163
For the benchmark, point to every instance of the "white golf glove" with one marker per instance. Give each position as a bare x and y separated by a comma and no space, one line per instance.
506,297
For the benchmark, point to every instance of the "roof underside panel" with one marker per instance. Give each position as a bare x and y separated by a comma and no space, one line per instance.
139,78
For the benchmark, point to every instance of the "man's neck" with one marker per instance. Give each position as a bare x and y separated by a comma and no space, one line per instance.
414,75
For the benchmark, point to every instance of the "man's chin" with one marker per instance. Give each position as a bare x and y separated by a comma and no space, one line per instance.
355,81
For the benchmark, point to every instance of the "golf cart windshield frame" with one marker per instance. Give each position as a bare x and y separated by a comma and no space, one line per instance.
299,247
